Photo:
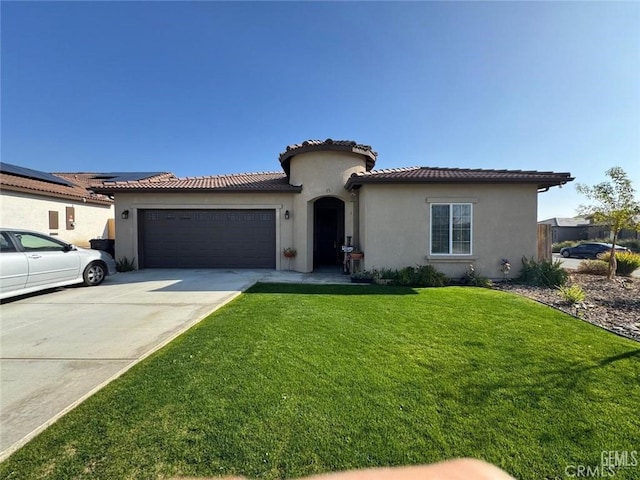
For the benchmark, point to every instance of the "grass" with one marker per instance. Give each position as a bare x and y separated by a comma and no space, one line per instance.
291,380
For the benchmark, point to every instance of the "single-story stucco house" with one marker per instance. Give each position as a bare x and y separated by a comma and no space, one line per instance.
52,204
583,228
328,191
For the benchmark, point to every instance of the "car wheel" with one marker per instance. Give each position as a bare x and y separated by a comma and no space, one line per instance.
94,274
565,253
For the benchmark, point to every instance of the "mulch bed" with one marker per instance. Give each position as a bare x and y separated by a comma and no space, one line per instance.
613,305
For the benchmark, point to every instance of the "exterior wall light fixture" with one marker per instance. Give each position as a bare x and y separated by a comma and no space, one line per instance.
125,214
287,215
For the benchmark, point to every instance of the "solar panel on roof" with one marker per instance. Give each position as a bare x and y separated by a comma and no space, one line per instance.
125,176
33,174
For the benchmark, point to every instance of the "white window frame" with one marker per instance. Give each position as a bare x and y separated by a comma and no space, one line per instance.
450,205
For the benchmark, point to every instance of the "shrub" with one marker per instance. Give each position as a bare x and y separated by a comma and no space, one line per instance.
573,294
386,273
593,267
628,262
125,265
363,276
543,273
474,279
427,276
420,276
555,248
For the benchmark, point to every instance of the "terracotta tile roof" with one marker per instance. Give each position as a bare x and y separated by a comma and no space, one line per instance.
328,145
39,187
243,182
457,175
96,179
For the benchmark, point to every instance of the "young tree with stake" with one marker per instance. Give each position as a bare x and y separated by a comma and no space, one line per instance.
614,205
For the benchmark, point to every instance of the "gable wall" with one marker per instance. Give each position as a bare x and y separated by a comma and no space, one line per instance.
394,226
31,212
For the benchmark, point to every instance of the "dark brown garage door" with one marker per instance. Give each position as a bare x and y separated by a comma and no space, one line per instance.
207,238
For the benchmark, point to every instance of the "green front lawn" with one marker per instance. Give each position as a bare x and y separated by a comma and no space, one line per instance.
291,380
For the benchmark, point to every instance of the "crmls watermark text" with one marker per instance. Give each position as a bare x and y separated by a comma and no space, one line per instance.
610,462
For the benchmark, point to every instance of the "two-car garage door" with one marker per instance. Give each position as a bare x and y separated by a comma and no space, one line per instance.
207,238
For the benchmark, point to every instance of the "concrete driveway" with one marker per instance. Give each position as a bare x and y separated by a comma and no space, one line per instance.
60,347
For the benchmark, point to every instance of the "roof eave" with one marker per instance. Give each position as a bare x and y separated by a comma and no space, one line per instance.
43,193
112,191
356,181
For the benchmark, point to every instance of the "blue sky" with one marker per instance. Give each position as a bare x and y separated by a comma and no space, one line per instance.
205,88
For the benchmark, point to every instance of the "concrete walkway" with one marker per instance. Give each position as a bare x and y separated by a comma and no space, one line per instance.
60,347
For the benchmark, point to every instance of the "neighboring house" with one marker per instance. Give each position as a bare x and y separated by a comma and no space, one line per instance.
582,228
327,192
563,229
63,205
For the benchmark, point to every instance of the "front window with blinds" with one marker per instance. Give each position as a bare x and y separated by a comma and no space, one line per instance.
451,229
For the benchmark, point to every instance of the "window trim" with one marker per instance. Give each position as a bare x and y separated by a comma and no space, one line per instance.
450,254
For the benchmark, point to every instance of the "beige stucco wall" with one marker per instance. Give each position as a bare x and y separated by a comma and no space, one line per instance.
321,174
31,212
127,230
394,226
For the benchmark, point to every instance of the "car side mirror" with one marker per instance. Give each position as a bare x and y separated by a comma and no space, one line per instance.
69,247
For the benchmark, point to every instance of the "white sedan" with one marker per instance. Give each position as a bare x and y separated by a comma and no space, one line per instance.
31,261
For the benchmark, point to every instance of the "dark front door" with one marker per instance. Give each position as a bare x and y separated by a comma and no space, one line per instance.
328,231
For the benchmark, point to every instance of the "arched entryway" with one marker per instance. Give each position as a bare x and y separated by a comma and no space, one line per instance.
328,232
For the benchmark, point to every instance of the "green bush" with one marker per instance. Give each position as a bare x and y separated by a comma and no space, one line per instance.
627,262
427,276
420,276
556,247
543,273
389,275
593,267
474,279
573,294
363,276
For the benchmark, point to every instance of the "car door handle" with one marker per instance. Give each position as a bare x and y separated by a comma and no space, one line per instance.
35,255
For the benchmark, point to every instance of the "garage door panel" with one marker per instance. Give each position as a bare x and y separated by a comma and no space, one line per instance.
208,238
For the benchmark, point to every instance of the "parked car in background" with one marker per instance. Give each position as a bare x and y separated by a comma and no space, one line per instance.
31,261
590,250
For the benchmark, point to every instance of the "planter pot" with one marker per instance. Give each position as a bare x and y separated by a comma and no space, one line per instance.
356,256
289,255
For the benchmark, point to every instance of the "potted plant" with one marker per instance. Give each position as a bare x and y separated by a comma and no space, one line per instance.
289,252
356,255
363,276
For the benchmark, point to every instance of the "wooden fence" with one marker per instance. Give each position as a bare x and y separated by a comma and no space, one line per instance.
544,242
